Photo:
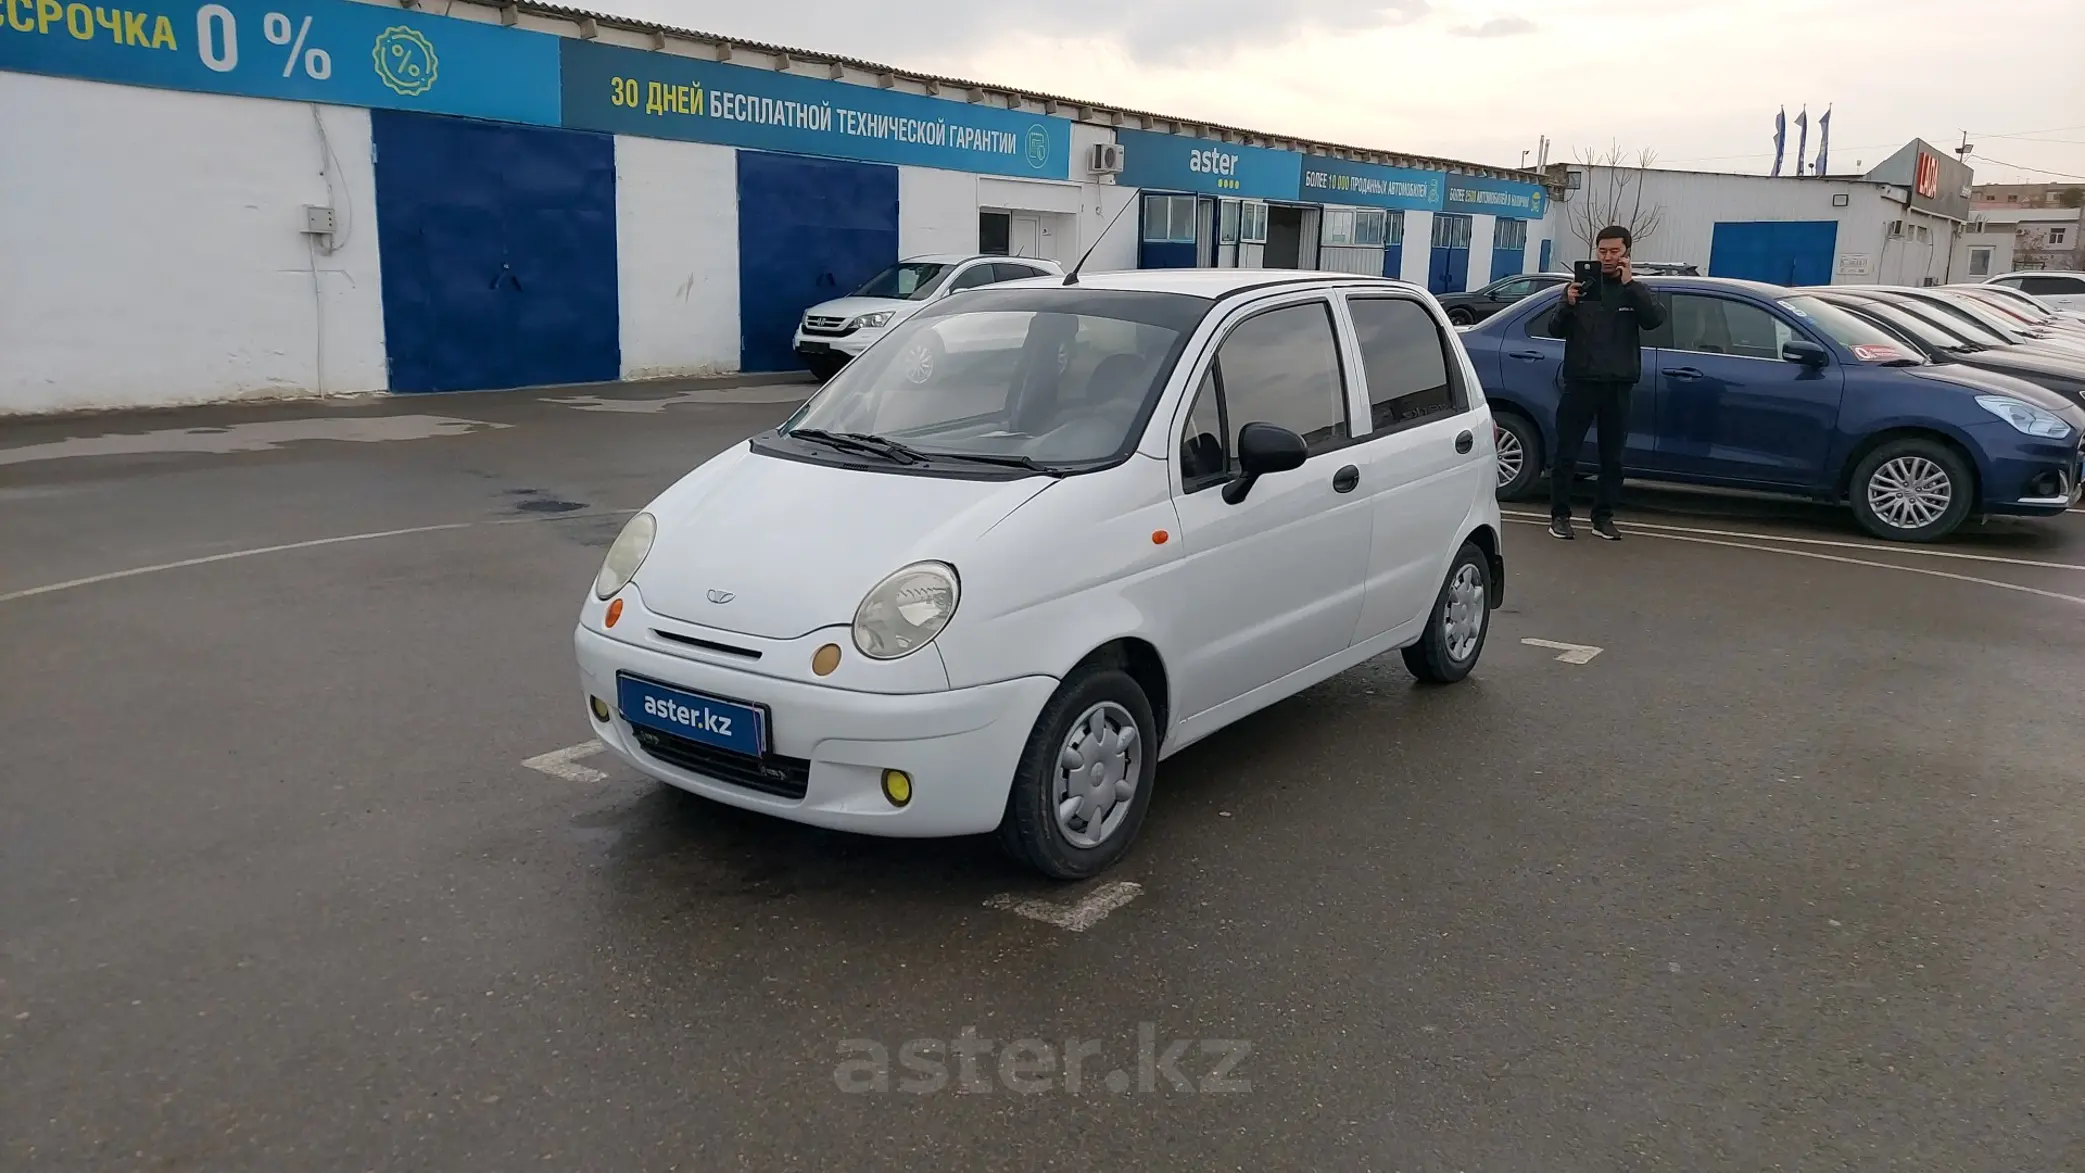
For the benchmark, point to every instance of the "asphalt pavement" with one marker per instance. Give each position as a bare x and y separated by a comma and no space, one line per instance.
1767,855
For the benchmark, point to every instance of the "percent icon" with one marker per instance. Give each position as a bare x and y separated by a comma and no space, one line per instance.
318,64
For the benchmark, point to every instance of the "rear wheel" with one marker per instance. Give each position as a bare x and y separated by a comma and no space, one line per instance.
1460,620
1461,317
1084,781
1912,490
1520,454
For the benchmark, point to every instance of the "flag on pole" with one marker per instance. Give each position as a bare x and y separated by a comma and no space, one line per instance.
1802,141
1824,140
1780,137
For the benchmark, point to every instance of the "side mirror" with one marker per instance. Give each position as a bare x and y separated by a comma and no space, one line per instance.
1805,352
1263,449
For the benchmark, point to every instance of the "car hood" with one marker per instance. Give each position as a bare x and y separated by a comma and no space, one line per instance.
847,307
1985,382
793,546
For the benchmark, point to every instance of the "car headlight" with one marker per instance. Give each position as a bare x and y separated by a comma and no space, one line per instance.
2028,418
906,611
875,321
626,555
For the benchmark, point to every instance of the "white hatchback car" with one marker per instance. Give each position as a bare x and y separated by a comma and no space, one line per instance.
833,333
994,599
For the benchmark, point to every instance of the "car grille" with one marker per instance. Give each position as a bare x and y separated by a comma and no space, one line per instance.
835,327
772,774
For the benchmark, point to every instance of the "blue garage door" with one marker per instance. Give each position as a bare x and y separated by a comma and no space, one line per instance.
809,230
1781,252
1449,270
1509,247
498,252
1393,245
1548,248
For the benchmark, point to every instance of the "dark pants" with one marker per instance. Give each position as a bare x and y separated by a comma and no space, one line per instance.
1582,404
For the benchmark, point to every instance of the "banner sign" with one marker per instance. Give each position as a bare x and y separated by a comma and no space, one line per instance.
1171,162
331,51
661,95
1342,181
1495,197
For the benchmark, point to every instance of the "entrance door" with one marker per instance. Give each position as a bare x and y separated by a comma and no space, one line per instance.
498,251
1024,236
809,230
1284,237
1449,270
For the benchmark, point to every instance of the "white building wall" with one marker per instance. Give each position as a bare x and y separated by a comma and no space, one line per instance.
676,244
937,211
152,253
1418,247
1100,199
1481,229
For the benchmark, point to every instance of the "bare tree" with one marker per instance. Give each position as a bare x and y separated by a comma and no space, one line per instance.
1613,194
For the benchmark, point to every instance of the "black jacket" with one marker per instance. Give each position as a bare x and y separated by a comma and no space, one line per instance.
1603,332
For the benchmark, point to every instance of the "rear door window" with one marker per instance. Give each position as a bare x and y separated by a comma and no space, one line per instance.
1405,359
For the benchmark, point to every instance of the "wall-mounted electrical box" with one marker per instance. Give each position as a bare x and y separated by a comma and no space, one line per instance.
318,221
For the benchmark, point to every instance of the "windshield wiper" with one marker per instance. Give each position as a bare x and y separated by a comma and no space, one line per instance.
1009,461
890,450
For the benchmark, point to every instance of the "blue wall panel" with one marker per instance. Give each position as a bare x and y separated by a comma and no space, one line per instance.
498,252
1548,253
1782,252
809,230
1393,261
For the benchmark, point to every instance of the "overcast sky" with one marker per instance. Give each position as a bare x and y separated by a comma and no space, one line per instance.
1697,81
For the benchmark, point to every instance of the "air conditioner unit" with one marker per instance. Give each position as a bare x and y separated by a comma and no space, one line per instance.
1106,159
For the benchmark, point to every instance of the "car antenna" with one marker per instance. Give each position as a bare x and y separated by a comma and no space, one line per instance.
1072,278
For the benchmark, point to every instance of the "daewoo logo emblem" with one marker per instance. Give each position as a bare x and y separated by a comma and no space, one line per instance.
721,597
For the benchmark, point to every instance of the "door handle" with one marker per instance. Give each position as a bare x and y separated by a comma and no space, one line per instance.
1686,373
1345,479
1463,443
1526,355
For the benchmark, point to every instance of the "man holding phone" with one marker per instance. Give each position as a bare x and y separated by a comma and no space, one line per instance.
1604,314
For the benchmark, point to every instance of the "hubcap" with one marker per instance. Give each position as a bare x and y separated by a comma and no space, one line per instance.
1098,768
1910,492
1462,620
1512,458
919,363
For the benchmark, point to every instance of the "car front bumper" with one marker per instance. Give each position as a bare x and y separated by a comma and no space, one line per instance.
2029,476
959,747
844,347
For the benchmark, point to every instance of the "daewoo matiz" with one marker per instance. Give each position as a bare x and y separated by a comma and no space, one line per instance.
990,592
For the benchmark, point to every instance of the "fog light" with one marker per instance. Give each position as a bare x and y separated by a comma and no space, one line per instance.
826,659
615,612
600,708
897,787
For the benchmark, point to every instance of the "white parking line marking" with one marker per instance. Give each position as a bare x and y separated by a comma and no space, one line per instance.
1918,551
563,763
1573,653
1075,918
1990,582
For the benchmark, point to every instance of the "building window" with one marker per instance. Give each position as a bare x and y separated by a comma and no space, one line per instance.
1451,231
1370,227
1353,228
1339,227
1510,234
1227,222
1393,228
994,233
1252,223
2059,235
1169,219
1980,262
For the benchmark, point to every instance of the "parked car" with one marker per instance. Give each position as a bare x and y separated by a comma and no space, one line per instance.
2006,329
1478,304
1664,269
2027,303
2063,290
1759,387
2050,370
993,601
834,332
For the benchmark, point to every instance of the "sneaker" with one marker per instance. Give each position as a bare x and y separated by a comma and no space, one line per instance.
1605,528
1561,528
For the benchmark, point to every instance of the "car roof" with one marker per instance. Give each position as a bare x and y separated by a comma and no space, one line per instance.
1214,284
959,258
2034,273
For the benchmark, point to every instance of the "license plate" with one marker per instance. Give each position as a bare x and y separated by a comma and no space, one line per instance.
705,719
814,348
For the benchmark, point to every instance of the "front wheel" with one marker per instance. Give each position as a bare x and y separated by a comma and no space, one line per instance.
1912,490
1520,455
1084,781
1461,317
1460,620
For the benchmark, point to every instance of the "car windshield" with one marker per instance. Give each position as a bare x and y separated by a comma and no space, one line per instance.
906,281
1057,377
1974,310
1910,323
1869,342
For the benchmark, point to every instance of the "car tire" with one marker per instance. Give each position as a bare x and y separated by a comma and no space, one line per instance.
1458,624
923,358
1912,490
824,369
1459,316
1520,451
1093,708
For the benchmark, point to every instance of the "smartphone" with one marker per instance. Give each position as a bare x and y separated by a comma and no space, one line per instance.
1586,274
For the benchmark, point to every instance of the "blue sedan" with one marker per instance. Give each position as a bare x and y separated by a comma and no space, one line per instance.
1759,387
